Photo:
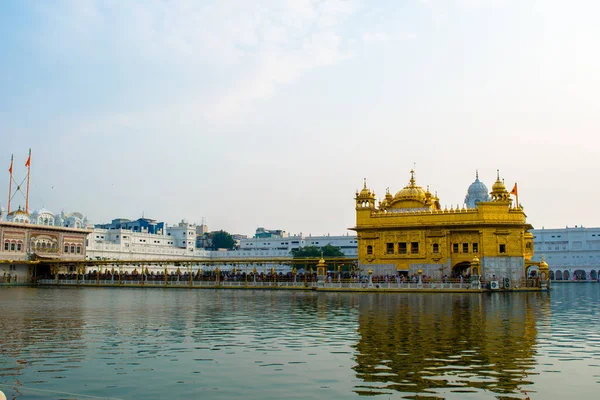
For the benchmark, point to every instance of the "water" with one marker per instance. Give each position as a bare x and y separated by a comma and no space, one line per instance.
177,344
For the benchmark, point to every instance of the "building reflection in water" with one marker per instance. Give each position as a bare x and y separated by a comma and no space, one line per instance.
448,343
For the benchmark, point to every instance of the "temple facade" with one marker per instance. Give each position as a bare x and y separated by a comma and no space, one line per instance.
26,245
409,233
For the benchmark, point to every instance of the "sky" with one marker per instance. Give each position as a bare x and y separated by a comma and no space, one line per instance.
270,113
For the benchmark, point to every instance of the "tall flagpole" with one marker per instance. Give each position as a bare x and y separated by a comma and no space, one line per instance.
10,182
28,165
517,194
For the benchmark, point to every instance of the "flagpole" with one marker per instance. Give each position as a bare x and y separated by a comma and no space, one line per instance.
12,156
517,194
28,175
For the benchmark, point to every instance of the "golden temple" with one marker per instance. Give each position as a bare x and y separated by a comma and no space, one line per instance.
409,233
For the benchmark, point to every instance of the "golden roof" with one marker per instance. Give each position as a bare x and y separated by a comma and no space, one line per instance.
498,186
411,191
366,192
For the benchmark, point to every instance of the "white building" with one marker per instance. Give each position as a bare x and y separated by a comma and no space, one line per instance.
571,253
282,246
179,242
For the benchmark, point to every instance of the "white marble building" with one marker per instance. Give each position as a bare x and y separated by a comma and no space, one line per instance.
572,253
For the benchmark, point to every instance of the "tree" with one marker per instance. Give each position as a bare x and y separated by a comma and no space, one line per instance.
315,251
223,240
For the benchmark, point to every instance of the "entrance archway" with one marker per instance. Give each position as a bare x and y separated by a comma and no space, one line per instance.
532,271
461,269
558,275
580,275
566,275
593,275
551,275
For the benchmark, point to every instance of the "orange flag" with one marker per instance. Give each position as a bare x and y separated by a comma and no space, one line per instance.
11,163
28,163
514,190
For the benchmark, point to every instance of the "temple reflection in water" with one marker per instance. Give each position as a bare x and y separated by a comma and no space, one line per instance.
447,343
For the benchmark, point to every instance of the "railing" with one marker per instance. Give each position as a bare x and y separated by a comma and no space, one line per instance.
334,284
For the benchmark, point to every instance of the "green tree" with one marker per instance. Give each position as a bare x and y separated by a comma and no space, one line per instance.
315,251
222,240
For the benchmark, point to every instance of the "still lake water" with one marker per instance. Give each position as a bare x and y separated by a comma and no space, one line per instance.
86,343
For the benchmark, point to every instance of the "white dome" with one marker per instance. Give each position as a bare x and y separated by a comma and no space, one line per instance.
476,193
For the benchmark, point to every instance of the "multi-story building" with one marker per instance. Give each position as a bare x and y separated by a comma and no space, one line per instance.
181,241
571,253
410,232
25,244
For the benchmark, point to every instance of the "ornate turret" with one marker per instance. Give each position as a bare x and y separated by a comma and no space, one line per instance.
321,266
365,199
499,192
18,216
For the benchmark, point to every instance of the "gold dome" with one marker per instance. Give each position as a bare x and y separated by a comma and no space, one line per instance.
388,195
365,192
498,185
412,191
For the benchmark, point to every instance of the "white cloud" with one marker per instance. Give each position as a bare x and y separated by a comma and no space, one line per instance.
381,37
265,44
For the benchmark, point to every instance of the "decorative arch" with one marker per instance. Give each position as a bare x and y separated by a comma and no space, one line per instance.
580,275
566,275
461,269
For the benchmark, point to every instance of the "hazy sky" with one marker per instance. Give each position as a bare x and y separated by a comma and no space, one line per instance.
270,113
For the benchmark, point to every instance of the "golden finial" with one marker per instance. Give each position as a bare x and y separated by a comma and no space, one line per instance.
498,174
412,176
365,183
477,174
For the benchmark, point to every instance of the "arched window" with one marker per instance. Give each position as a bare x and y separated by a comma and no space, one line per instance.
12,246
19,245
436,248
369,249
72,249
78,249
6,245
66,248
